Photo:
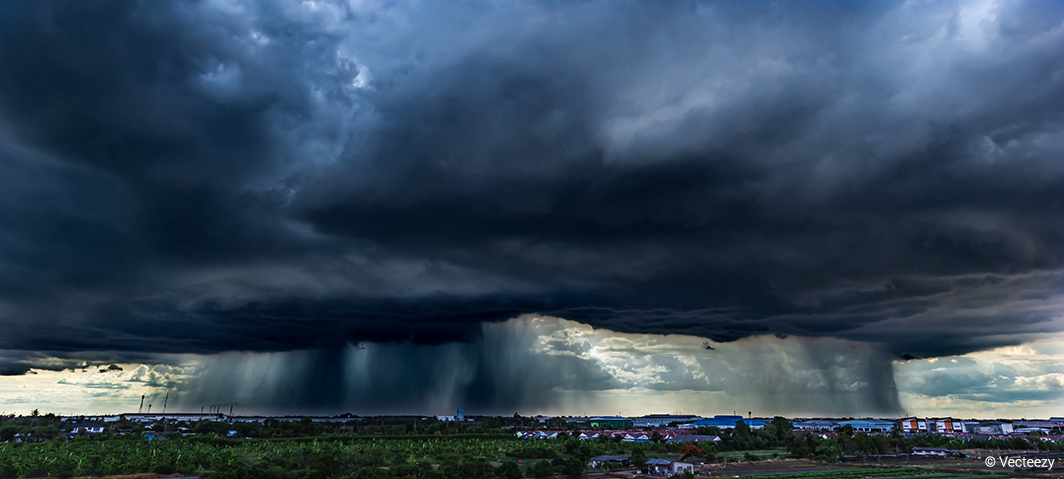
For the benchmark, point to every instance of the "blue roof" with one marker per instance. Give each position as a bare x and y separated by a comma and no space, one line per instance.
614,418
727,421
868,422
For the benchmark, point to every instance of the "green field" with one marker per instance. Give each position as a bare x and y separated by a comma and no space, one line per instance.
761,454
892,473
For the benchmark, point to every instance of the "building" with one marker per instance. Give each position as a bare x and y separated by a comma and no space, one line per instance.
1032,426
995,428
935,452
88,427
662,420
728,422
869,425
597,461
945,425
461,415
913,425
666,467
694,438
187,417
816,425
611,422
634,438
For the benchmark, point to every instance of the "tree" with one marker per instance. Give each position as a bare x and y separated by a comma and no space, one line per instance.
508,470
573,468
639,458
691,450
741,436
542,470
783,428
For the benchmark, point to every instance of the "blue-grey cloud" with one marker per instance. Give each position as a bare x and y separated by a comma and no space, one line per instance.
218,176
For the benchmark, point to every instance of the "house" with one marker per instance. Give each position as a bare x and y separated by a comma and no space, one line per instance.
935,452
596,461
27,437
88,427
913,425
694,438
665,467
816,425
945,425
869,425
616,421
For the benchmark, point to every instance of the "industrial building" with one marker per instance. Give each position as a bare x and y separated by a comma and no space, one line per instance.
611,422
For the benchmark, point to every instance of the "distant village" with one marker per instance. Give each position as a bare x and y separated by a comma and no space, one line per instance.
673,428
514,447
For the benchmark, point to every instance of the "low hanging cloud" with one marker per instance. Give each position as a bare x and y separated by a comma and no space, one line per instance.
237,177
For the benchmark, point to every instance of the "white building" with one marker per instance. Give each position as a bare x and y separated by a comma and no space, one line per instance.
913,425
946,425
669,468
88,427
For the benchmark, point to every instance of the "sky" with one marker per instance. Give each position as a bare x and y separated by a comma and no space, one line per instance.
533,206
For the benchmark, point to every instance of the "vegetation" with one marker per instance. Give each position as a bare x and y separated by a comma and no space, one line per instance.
415,449
892,473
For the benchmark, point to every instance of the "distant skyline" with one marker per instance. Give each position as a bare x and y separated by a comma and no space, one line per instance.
519,205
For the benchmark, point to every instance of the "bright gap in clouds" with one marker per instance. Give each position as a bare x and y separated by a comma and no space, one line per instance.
1008,382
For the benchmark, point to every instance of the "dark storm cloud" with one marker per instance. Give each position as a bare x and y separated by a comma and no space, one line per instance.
216,176
541,364
496,373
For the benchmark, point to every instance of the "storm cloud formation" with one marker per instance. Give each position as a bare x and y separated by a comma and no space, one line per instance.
202,177
543,364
